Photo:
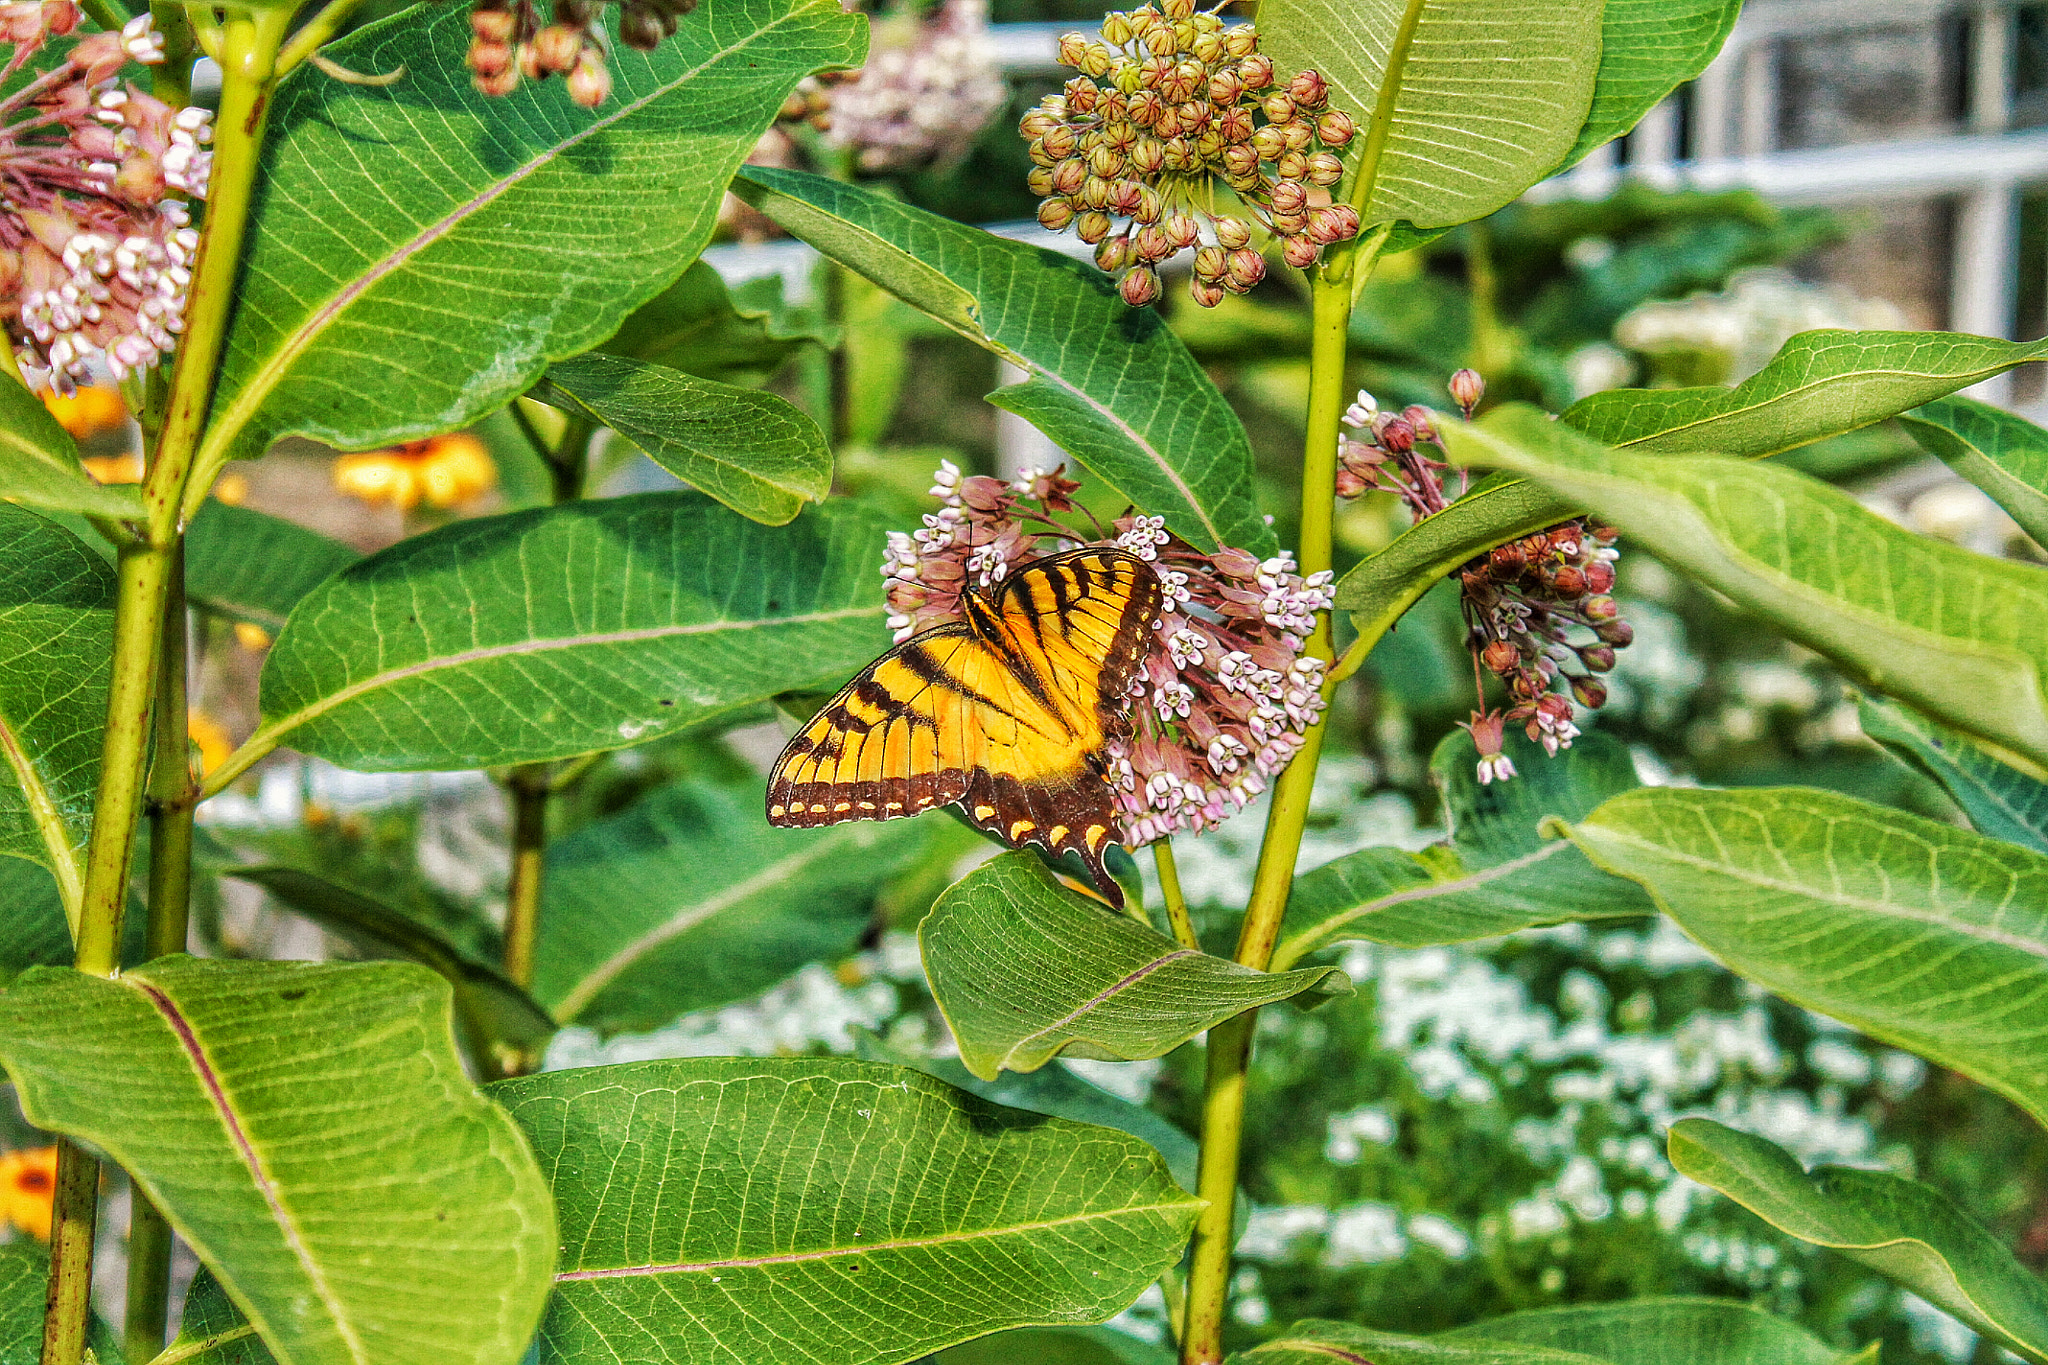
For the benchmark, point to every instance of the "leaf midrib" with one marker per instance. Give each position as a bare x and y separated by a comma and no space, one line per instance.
227,426
1802,391
259,1173
49,823
1886,909
273,731
1285,958
608,971
900,1244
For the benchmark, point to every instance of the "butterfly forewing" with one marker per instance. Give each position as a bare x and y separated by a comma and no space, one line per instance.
1007,713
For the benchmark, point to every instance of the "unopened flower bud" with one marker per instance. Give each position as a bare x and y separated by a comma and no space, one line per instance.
1309,90
1095,192
1208,48
1225,87
1149,209
1620,634
1059,142
1096,61
1325,168
1139,287
1039,181
1601,609
1116,29
1467,388
492,25
1568,580
1246,268
1055,215
1591,692
1270,142
501,82
1290,166
1072,47
1289,196
1177,9
1334,128
1422,420
1300,252
1211,263
556,47
591,82
1233,233
1499,656
1069,176
1092,226
1148,156
1350,483
1183,231
1255,67
641,28
1107,162
1113,253
1396,435
1241,162
491,60
1279,106
1599,658
1235,127
1153,245
1300,135
1606,535
1507,559
1341,221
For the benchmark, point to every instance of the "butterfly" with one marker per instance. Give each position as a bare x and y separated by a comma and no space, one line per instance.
1007,712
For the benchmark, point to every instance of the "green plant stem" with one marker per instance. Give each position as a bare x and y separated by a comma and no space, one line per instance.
74,1218
171,79
172,791
103,13
1230,1043
315,33
145,571
1176,903
529,789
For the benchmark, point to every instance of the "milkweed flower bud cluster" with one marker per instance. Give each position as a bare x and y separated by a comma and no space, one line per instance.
509,43
927,91
96,243
1523,602
1168,102
1225,692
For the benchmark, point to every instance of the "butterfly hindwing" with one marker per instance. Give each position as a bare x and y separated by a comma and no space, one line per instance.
1006,712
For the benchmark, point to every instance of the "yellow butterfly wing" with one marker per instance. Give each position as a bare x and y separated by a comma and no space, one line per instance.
1006,712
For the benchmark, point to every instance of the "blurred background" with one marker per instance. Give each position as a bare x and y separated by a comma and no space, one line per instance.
1481,1128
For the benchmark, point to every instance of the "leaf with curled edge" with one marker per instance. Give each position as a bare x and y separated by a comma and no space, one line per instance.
285,1116
1024,969
1930,937
420,253
864,1214
1110,383
1906,1231
39,463
1959,635
2001,452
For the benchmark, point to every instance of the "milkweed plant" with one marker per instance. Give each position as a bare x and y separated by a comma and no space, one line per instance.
379,234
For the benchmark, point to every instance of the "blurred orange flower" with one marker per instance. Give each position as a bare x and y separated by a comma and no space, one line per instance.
251,636
88,412
210,737
114,468
233,489
443,471
28,1184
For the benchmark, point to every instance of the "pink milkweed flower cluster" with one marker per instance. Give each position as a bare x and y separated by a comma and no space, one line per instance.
926,92
96,243
1225,692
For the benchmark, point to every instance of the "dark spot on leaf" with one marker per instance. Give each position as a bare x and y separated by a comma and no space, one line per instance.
293,995
774,605
853,1266
665,702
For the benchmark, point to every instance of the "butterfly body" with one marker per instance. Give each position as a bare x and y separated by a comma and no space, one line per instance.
1007,712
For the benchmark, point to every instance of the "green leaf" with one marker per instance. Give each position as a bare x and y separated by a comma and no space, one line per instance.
1484,98
2001,452
866,1215
1648,48
1381,587
1927,936
690,899
250,566
1498,874
1820,384
213,1331
1652,1331
1959,635
39,463
1056,1091
2000,800
1057,1346
1904,1230
751,450
33,929
24,1276
558,631
1108,382
1024,969
740,336
1317,1342
490,1007
56,640
290,1118
1659,1331
420,254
